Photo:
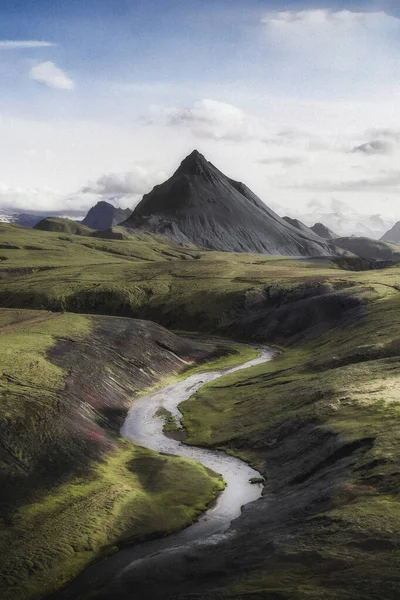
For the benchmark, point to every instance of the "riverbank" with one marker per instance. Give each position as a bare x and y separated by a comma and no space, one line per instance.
321,423
71,489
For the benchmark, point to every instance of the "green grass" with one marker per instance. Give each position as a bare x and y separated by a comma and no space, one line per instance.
134,493
343,383
72,489
232,355
62,225
145,276
337,381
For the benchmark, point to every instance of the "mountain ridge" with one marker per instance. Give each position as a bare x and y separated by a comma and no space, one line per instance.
393,235
199,204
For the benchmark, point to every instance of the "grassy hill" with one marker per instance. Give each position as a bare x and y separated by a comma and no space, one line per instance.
368,248
320,421
62,225
147,276
71,488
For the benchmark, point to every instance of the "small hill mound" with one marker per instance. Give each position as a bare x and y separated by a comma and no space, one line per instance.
201,205
105,216
62,225
368,248
323,231
393,235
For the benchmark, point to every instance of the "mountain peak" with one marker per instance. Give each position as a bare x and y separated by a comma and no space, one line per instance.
194,164
105,215
201,205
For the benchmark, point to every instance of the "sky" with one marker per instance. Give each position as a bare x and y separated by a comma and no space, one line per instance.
103,99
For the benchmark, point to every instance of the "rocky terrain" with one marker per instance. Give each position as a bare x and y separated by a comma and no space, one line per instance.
200,205
393,235
323,231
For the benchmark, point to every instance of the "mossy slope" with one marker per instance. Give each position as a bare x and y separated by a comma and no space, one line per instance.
70,487
321,423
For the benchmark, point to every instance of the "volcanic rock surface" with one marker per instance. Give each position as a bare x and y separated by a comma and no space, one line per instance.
393,235
323,231
201,205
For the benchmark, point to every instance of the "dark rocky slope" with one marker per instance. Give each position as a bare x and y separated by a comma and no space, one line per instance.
104,216
199,204
301,226
393,235
121,357
323,231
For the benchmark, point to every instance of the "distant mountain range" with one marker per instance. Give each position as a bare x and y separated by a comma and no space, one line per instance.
344,222
201,205
103,215
23,219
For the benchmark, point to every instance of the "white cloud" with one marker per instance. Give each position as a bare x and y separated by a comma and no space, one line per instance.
284,161
137,181
21,44
388,183
315,18
216,120
49,74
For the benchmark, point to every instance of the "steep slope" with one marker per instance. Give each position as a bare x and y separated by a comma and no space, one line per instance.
301,226
61,225
393,235
104,216
367,248
323,231
199,204
70,486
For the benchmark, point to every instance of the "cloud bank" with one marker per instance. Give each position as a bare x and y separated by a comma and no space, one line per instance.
138,181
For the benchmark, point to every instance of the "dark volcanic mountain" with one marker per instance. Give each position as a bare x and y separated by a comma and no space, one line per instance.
393,235
104,216
199,204
323,231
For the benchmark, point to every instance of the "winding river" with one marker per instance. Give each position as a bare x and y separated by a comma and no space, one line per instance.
144,427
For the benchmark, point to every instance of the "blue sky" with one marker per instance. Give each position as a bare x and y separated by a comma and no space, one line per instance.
299,99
